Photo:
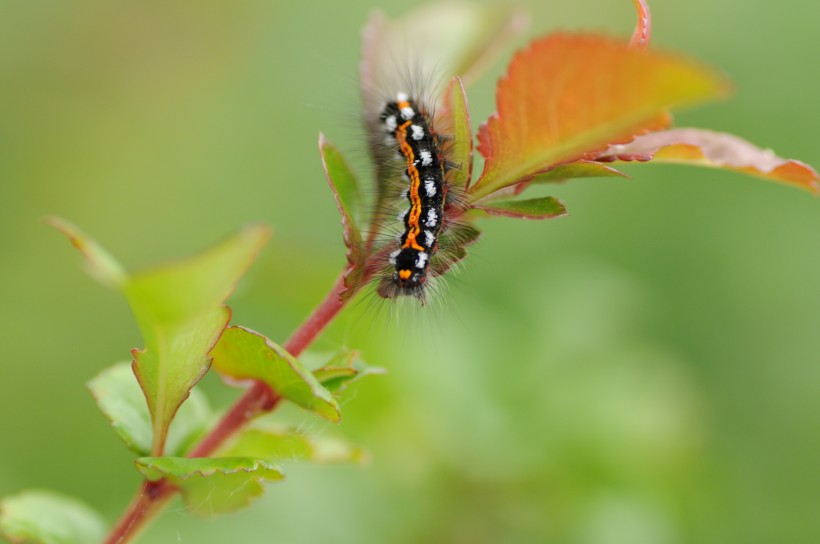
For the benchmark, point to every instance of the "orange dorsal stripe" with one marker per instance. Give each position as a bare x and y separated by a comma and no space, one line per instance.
415,182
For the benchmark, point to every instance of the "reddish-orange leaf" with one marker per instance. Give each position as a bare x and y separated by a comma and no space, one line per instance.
717,150
566,96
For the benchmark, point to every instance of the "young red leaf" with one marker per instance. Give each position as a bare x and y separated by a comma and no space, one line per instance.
568,95
716,150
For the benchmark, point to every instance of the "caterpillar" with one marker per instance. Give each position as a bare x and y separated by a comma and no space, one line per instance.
410,127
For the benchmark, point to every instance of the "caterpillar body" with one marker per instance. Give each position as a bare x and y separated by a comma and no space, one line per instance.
409,130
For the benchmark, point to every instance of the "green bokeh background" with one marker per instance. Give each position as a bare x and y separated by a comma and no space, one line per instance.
642,371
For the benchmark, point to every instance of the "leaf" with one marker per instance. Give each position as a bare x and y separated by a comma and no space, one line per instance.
178,291
275,443
717,150
179,310
564,172
121,400
342,370
455,38
568,95
46,517
243,354
643,28
455,121
212,485
99,263
348,200
577,169
535,208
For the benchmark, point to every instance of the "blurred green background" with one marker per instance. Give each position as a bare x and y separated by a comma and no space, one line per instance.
642,371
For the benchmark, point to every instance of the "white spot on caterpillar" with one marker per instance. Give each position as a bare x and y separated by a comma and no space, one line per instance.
418,132
421,260
426,157
391,123
432,218
402,97
403,214
407,113
393,256
429,238
430,187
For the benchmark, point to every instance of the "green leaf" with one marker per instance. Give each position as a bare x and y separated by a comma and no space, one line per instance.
99,263
121,400
577,169
343,369
276,443
456,122
348,200
535,208
46,517
179,310
243,354
185,289
212,486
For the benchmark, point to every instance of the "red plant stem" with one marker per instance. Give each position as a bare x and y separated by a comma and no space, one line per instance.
257,400
150,498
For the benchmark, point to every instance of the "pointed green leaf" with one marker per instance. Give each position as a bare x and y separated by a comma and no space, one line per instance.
178,291
343,369
178,307
243,354
348,200
534,208
282,444
99,263
46,517
172,364
121,400
212,485
577,169
456,122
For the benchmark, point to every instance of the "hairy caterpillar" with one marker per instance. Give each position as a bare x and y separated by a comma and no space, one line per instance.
420,148
413,169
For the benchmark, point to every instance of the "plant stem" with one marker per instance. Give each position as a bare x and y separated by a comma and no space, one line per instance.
257,400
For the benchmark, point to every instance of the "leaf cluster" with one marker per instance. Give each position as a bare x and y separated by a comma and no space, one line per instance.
152,404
